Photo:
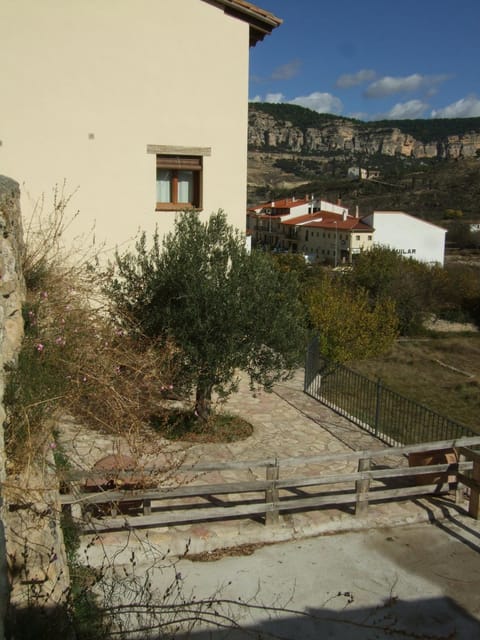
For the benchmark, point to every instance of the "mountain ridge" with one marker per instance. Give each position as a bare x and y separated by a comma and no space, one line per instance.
296,151
284,127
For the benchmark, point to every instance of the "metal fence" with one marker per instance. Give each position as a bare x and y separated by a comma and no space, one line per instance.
391,417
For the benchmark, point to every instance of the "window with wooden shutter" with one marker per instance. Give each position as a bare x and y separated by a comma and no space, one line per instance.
179,176
179,182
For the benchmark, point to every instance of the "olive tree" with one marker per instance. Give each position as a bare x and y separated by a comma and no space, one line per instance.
225,308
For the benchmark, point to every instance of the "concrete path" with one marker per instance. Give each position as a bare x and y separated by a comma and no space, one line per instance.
419,581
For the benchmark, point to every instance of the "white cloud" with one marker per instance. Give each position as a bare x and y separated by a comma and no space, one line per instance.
287,71
275,97
321,102
388,85
468,107
348,80
405,110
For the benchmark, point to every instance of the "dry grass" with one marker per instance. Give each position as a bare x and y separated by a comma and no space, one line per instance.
442,373
185,426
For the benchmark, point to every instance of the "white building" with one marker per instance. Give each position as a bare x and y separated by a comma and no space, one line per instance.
410,236
140,107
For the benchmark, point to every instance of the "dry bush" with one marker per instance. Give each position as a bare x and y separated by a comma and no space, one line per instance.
75,358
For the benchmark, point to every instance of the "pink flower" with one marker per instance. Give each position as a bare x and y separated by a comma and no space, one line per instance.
39,347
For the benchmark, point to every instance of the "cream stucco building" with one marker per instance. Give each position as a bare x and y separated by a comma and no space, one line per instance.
322,231
140,107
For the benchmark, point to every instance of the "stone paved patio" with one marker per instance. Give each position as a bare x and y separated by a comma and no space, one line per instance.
287,423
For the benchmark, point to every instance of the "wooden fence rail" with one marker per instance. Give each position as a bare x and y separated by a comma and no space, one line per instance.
195,499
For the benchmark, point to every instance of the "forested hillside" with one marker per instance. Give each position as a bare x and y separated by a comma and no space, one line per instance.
426,167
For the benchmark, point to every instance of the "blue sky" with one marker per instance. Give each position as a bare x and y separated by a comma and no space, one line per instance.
373,59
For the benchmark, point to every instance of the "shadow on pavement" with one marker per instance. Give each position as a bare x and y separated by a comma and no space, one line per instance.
429,619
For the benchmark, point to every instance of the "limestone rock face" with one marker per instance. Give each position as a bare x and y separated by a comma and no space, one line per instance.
267,133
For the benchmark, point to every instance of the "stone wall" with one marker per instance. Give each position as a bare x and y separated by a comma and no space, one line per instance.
12,287
34,576
12,293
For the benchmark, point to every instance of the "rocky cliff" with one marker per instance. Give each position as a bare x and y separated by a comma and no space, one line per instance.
351,137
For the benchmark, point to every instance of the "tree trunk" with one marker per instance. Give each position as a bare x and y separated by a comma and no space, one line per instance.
203,400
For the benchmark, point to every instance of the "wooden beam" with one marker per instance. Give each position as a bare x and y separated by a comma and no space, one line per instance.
254,486
320,459
172,517
470,454
468,482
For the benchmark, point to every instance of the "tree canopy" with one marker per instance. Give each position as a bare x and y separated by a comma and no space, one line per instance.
413,286
350,326
225,308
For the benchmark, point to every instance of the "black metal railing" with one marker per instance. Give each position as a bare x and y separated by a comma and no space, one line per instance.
390,416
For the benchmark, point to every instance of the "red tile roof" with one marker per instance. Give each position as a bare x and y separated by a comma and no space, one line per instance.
330,221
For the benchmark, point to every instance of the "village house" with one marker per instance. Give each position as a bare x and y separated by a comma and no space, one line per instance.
325,232
360,173
329,237
320,230
139,109
264,221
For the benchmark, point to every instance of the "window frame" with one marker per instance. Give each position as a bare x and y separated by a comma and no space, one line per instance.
176,159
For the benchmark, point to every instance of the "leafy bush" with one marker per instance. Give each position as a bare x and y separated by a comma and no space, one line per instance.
414,287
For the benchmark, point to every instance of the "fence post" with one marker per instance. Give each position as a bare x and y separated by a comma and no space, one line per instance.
377,405
474,504
147,507
271,493
460,488
362,487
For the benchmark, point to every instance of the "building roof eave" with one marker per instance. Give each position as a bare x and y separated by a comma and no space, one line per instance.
261,22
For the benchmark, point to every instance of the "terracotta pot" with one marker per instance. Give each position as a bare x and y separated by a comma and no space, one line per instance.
425,458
